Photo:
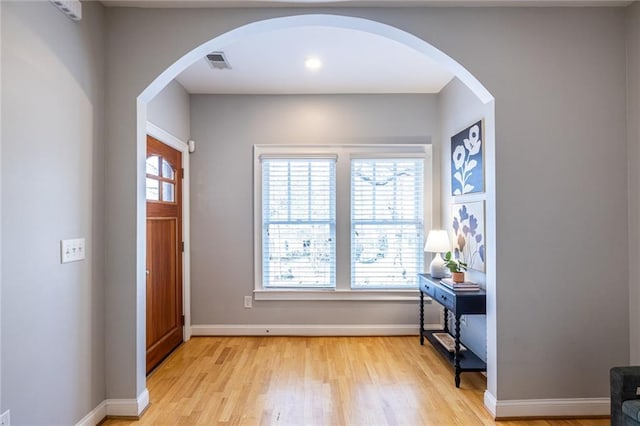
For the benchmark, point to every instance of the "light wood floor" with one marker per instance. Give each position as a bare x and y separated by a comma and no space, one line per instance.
315,381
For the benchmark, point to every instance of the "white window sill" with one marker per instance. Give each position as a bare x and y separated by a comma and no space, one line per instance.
331,294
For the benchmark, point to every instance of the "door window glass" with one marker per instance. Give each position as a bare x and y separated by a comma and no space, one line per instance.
153,193
152,165
161,180
167,170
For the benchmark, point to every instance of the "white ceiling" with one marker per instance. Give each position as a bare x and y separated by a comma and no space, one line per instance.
353,62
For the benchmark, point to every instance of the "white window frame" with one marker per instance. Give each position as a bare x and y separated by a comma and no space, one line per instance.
412,156
343,153
332,159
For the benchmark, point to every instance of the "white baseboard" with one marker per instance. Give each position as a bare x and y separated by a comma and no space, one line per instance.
306,330
490,403
116,407
566,407
143,401
128,407
95,416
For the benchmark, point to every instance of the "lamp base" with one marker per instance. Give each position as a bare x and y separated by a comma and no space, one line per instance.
437,269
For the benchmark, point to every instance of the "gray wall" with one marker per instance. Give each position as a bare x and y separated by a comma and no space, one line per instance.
561,204
561,201
558,77
169,110
52,177
226,128
633,141
459,108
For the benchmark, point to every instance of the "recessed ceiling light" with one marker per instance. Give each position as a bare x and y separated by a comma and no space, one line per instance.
313,64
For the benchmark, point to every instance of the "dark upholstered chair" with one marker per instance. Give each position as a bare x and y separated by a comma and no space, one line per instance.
625,400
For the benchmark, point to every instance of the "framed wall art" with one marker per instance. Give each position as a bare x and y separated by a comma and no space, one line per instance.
468,234
467,160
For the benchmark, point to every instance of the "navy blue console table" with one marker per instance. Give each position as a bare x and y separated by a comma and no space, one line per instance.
460,303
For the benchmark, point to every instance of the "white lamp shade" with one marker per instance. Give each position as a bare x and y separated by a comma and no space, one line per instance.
437,242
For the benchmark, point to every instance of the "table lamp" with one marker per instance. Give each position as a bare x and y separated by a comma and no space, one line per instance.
437,242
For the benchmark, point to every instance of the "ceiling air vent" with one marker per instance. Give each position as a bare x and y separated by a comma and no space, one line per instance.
71,8
217,60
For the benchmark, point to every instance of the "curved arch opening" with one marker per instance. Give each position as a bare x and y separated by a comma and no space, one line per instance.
334,21
351,23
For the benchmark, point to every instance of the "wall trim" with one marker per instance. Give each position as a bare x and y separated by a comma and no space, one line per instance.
165,137
307,329
128,407
182,146
334,294
560,407
116,408
95,416
490,403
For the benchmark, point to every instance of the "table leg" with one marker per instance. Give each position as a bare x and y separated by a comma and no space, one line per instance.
421,318
446,320
457,349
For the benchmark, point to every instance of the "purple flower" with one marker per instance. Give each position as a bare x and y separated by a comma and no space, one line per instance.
463,213
456,225
456,253
473,224
481,252
478,238
465,229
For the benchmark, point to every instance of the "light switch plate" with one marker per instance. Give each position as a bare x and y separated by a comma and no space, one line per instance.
5,419
72,250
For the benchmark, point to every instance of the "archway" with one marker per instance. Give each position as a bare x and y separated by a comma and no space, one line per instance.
335,21
351,23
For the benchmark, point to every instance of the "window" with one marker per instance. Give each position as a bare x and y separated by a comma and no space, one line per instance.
386,222
340,222
161,180
298,222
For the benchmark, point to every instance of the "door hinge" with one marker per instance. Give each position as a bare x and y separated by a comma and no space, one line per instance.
182,246
182,173
182,320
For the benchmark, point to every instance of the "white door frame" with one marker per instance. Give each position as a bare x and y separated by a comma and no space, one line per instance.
182,146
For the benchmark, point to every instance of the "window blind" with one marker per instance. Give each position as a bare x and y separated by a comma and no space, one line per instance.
298,222
387,198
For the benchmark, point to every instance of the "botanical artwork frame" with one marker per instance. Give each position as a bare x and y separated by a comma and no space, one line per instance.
467,160
468,234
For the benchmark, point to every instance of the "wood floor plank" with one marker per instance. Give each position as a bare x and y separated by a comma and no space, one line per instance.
316,381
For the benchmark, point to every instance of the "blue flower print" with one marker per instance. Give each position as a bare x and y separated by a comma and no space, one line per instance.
468,234
467,161
473,224
459,155
473,143
463,213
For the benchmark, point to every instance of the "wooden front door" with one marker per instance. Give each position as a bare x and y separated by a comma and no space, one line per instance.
164,251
